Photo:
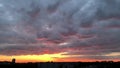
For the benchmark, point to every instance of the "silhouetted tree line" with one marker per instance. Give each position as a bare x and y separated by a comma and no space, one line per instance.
61,65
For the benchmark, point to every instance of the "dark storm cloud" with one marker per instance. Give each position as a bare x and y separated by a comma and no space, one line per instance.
81,27
28,49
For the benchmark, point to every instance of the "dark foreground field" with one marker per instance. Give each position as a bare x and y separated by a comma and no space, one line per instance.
61,65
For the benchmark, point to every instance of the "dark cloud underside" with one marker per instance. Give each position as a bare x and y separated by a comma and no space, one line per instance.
78,27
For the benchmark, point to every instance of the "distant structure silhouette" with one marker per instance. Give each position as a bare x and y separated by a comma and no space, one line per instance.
13,60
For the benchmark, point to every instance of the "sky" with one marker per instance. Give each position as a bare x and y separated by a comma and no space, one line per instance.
59,30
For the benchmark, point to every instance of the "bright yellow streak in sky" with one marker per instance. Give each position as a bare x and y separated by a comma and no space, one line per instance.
50,57
113,54
33,58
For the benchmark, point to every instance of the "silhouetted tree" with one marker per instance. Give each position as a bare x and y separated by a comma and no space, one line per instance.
13,60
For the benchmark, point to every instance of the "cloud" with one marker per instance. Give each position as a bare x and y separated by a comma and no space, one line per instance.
28,49
88,27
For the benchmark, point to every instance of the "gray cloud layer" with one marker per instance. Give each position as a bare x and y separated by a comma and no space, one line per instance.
81,27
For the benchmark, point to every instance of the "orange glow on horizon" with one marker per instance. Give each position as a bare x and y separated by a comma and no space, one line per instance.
48,57
33,58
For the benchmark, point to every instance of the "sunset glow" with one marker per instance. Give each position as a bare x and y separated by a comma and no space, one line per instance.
51,58
34,58
60,30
